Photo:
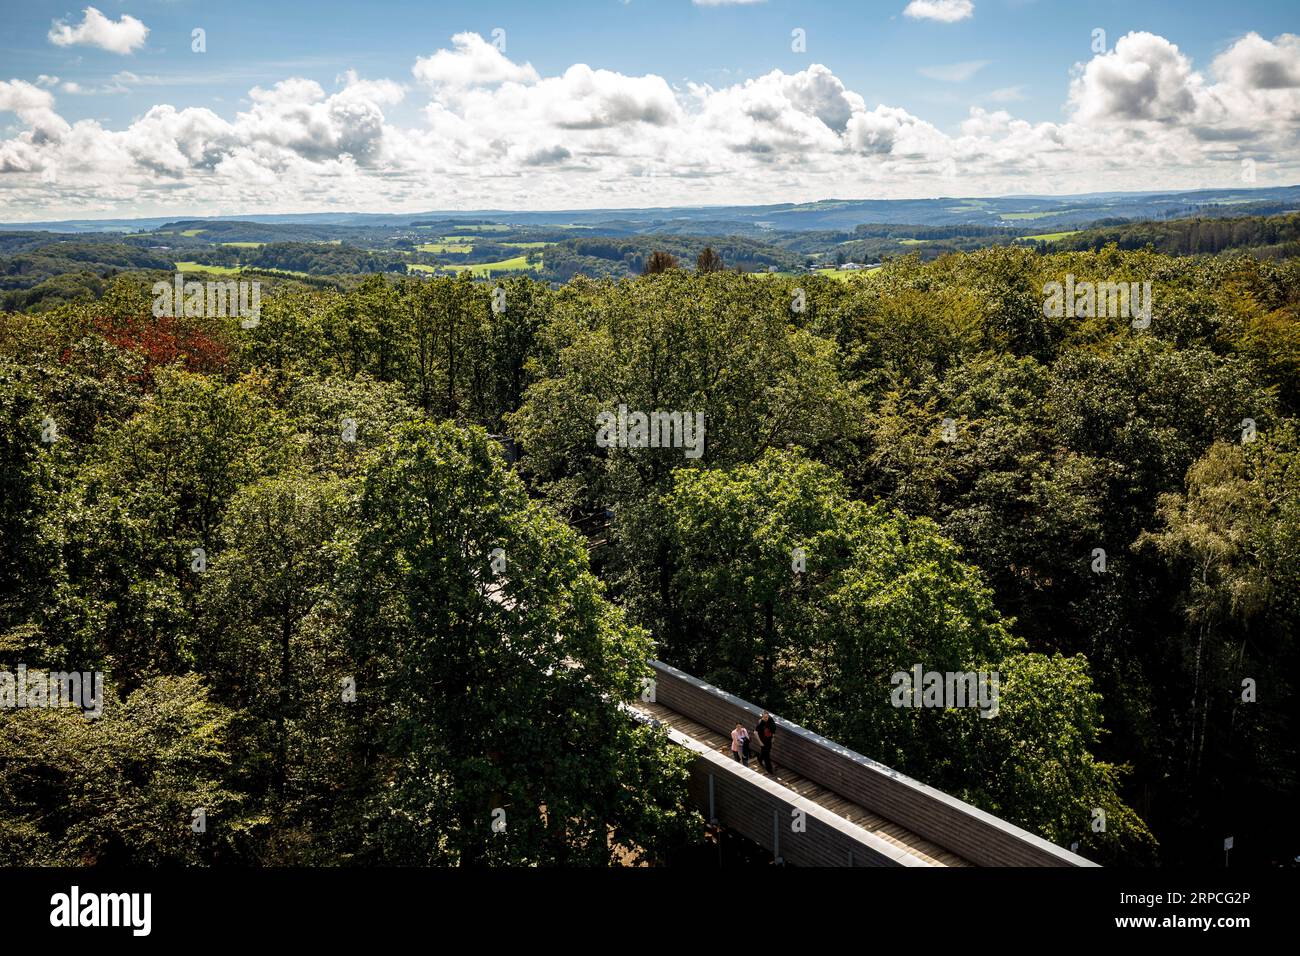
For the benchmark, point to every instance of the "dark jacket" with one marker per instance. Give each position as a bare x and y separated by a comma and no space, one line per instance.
766,730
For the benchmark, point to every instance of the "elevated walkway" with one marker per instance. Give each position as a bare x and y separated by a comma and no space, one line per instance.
827,805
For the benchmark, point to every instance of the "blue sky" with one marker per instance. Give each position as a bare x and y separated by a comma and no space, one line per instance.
1016,57
1030,44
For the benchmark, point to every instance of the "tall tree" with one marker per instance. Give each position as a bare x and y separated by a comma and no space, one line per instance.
492,669
709,261
659,262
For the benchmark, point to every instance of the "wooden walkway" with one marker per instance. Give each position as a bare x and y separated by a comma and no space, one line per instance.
875,824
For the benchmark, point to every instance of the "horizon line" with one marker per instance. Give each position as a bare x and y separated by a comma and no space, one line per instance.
646,209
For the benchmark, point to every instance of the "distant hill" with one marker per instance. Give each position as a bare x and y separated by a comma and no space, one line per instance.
1043,213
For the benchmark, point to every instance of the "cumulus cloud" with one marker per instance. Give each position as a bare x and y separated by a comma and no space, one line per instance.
1144,78
34,106
297,116
28,151
494,133
944,11
472,62
587,99
116,36
1251,101
883,129
1253,63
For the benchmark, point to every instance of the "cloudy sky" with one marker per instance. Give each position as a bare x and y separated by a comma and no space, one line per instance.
112,110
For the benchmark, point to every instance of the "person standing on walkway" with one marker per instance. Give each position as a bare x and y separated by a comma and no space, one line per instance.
766,730
744,746
736,745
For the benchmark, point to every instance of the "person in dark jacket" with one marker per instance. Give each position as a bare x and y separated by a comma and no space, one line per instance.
766,730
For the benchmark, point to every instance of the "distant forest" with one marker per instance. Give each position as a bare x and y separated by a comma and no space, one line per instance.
1274,237
38,270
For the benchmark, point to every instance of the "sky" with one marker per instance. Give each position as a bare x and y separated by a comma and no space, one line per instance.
181,107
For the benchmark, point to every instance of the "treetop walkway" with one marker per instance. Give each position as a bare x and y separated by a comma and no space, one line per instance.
827,805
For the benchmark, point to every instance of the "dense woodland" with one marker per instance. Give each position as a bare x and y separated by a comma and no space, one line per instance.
39,270
332,562
1274,237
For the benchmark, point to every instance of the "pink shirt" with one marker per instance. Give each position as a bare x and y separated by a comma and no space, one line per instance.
735,740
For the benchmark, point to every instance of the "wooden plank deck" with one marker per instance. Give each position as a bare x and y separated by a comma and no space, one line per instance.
874,823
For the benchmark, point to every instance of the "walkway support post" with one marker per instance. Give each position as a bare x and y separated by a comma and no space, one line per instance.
776,837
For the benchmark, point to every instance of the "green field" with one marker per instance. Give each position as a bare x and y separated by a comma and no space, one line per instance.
516,264
437,247
192,232
1035,215
1052,236
488,227
480,269
844,275
200,267
244,245
231,270
527,245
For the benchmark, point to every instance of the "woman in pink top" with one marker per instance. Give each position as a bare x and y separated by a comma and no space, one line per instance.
740,744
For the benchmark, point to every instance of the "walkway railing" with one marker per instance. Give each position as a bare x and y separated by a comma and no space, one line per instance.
764,810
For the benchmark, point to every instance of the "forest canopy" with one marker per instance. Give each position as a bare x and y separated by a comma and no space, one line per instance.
360,575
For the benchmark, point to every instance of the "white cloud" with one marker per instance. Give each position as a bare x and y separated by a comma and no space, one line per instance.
1144,78
587,99
295,115
944,11
1253,63
119,82
887,130
473,62
1148,87
116,36
35,107
1007,94
495,133
954,72
28,151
